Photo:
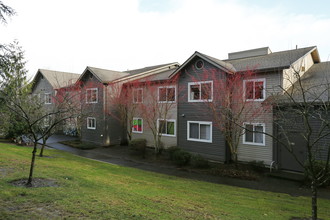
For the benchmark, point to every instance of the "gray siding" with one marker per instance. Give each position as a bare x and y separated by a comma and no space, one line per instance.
195,111
95,110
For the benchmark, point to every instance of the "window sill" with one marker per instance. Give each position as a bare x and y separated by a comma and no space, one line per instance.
199,140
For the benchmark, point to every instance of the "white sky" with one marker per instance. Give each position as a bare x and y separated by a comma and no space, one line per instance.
68,35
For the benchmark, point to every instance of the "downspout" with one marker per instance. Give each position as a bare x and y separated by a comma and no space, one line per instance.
106,125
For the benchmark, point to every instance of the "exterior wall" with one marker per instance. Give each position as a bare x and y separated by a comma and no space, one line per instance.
147,134
250,152
95,110
301,66
42,87
196,111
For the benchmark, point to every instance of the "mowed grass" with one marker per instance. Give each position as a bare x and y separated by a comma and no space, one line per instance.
95,190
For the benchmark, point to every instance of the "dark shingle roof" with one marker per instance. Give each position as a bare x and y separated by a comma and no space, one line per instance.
315,83
58,79
146,69
106,75
282,59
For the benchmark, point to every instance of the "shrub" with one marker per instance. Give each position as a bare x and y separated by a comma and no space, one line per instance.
139,145
319,166
198,161
256,165
181,158
171,151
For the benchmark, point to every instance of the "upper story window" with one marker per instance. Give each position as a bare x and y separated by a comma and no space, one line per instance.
199,131
166,127
200,91
254,89
138,95
254,134
137,125
48,98
91,95
91,123
166,94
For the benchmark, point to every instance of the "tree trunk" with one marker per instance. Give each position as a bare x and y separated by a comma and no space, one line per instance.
314,200
29,182
41,154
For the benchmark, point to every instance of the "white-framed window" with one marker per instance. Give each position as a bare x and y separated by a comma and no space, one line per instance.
92,95
254,89
199,131
47,120
48,98
166,94
200,91
254,134
137,125
91,123
166,127
138,95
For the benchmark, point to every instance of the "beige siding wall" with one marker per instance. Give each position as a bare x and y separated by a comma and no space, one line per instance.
147,134
262,114
301,66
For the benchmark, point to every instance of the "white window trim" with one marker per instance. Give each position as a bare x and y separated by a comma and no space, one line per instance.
138,132
160,87
255,80
170,120
263,135
136,89
97,95
199,122
91,118
46,100
200,83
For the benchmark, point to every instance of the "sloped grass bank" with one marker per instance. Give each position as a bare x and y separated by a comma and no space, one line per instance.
91,189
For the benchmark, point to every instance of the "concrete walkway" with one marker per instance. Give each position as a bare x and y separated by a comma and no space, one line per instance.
108,155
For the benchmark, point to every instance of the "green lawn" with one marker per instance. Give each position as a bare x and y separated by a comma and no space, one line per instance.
91,189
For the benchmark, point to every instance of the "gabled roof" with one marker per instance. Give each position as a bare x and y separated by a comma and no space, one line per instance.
148,68
227,67
158,72
103,75
282,59
57,79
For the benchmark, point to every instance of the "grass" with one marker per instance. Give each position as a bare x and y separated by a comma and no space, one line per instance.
78,144
96,190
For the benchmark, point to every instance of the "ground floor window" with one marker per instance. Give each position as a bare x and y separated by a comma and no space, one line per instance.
199,131
137,125
166,127
254,133
91,123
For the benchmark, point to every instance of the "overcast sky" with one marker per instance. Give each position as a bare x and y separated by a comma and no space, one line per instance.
68,35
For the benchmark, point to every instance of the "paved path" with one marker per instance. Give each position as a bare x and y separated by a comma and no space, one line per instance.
106,155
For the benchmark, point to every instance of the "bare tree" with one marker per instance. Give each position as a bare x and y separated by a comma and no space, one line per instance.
304,111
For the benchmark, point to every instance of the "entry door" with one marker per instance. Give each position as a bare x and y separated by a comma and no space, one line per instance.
287,160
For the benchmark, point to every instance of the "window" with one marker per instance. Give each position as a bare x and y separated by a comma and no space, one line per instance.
254,89
91,95
48,98
254,134
137,125
47,120
200,91
166,94
199,131
166,127
138,95
91,123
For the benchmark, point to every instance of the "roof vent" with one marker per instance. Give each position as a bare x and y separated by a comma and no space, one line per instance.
249,53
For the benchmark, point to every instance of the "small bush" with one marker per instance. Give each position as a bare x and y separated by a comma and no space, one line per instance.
139,145
319,166
257,166
171,151
181,158
197,161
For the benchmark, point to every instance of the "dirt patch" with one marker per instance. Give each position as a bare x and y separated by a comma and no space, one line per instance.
36,182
